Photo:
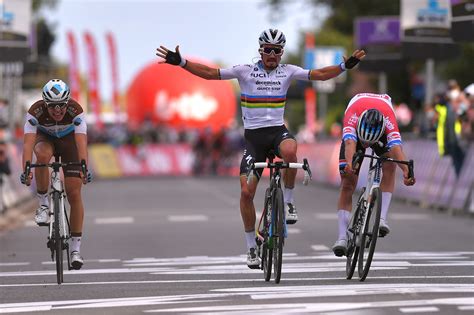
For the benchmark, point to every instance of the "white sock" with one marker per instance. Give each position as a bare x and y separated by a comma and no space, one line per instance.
288,195
76,244
386,198
250,238
43,199
343,218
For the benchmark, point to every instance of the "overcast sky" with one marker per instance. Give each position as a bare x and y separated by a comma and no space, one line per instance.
215,30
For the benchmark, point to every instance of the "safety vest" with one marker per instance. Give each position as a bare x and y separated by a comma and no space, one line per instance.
442,128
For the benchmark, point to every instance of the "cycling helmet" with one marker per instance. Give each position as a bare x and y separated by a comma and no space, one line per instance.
371,126
56,91
273,37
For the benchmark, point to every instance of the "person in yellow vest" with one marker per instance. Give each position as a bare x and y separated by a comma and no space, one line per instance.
448,130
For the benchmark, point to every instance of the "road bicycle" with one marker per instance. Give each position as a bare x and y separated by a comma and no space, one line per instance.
363,228
272,230
59,228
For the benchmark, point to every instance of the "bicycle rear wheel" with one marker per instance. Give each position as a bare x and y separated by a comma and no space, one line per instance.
352,234
278,233
267,250
370,233
58,241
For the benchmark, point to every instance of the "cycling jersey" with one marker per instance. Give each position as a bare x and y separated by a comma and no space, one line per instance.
263,94
38,119
363,101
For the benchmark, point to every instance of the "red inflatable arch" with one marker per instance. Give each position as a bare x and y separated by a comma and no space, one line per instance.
174,97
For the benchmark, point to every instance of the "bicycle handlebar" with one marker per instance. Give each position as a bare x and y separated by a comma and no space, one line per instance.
82,164
356,162
281,165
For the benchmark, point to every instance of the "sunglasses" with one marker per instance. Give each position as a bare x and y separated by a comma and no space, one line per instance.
268,50
56,105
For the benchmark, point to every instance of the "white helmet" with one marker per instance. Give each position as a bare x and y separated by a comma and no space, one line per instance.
273,37
56,91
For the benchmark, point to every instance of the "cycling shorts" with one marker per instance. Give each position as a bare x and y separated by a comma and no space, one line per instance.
66,148
379,148
260,143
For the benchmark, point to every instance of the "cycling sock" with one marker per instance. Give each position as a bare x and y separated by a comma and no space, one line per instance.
386,198
343,217
288,195
75,244
250,238
43,199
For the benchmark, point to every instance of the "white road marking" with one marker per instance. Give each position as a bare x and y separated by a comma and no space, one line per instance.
430,309
466,308
294,231
326,216
188,218
408,216
116,220
319,247
14,264
257,278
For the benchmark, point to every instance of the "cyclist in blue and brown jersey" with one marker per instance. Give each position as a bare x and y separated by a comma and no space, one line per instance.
263,85
56,125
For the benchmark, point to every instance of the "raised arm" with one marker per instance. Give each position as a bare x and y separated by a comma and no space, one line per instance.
174,58
330,72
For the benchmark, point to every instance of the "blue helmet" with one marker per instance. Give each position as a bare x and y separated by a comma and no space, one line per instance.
371,126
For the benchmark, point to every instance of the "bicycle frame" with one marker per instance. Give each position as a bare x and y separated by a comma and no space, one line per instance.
373,181
57,187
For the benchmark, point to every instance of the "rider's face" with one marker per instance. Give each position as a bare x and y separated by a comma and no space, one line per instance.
271,55
57,112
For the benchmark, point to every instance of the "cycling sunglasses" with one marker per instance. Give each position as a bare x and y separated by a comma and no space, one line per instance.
56,105
268,50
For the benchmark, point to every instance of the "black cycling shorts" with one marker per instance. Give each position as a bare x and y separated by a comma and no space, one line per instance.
260,143
379,148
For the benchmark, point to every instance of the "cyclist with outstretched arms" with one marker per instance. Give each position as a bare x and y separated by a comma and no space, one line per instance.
263,85
56,125
369,121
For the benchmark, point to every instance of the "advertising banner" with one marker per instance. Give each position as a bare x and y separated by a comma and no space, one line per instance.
426,29
15,28
93,79
114,74
321,57
74,75
462,23
380,38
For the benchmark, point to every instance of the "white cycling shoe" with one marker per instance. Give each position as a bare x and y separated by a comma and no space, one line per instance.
76,260
340,248
42,215
291,214
384,229
253,261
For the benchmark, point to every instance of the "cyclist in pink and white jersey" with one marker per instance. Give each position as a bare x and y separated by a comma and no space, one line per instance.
369,121
264,85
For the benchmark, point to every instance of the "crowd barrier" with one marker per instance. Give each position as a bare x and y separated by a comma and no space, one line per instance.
436,186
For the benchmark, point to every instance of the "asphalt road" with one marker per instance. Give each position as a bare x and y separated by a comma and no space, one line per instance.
176,245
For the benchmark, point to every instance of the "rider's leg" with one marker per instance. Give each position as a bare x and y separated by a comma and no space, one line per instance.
247,209
387,186
287,150
344,204
43,152
73,186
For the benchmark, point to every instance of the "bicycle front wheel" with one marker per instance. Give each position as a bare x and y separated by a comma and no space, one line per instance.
279,232
352,235
58,242
267,251
370,233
